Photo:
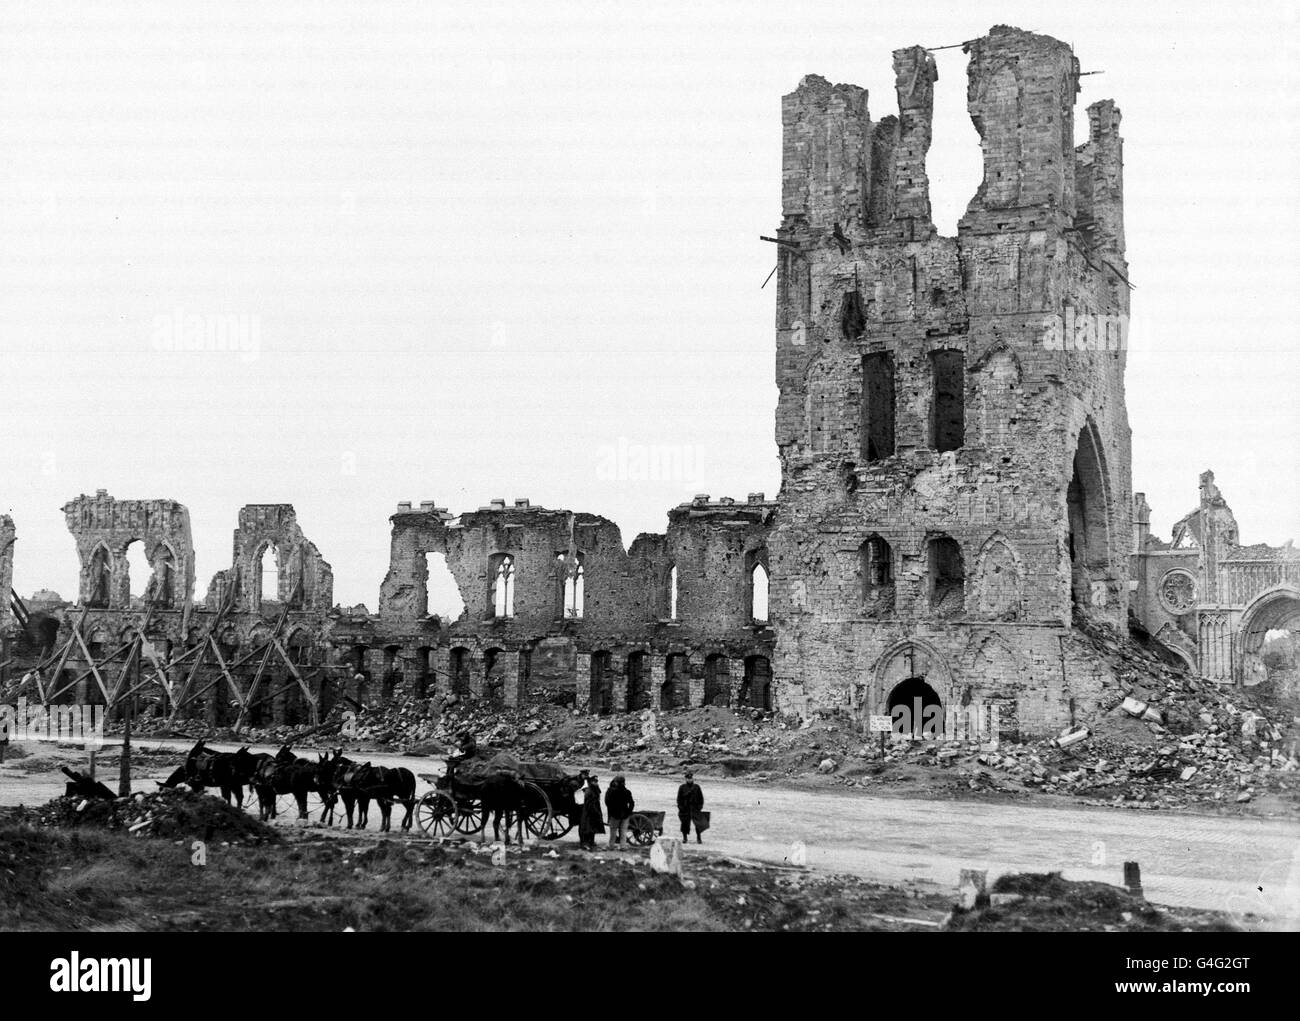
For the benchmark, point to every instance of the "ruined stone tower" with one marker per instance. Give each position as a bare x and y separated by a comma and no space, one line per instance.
954,443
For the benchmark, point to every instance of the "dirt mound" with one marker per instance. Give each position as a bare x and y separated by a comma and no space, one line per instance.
1046,902
169,814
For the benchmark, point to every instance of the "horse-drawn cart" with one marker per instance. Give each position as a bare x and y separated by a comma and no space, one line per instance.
537,795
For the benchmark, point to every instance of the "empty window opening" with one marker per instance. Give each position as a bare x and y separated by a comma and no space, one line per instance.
672,593
955,162
948,412
267,572
139,573
758,586
573,584
947,576
916,709
503,587
853,320
877,406
442,593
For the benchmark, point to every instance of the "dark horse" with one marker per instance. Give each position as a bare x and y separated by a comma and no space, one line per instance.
359,784
285,773
229,771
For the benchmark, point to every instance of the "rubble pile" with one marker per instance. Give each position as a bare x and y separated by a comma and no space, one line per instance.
165,813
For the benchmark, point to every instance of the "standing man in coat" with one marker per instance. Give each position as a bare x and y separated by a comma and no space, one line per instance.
620,806
590,821
690,802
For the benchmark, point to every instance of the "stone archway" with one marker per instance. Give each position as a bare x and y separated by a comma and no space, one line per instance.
1269,640
915,708
908,657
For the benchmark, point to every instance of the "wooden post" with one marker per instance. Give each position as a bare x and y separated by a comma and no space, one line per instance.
124,775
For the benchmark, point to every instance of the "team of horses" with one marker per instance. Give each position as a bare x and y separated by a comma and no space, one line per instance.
347,788
335,778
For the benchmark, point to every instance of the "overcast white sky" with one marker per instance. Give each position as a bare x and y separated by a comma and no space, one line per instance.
483,244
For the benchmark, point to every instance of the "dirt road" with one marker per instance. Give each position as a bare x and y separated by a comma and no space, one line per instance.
1231,864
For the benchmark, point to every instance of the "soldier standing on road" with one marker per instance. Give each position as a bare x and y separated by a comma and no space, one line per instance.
690,802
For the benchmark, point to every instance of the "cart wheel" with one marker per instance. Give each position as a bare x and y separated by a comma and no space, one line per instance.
437,814
641,829
471,816
537,812
556,827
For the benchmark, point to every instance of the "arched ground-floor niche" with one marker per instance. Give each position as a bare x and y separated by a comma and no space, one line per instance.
458,669
916,709
552,671
756,684
602,684
1087,510
717,680
638,681
494,676
676,689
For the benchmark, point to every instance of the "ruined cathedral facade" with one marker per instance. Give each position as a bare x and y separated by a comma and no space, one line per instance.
955,491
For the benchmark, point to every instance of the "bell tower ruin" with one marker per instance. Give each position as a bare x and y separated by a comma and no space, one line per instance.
954,444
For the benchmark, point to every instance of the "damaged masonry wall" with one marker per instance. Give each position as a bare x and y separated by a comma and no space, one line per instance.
304,580
554,602
954,486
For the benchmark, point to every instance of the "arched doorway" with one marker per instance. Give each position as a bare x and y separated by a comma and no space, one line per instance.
916,709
